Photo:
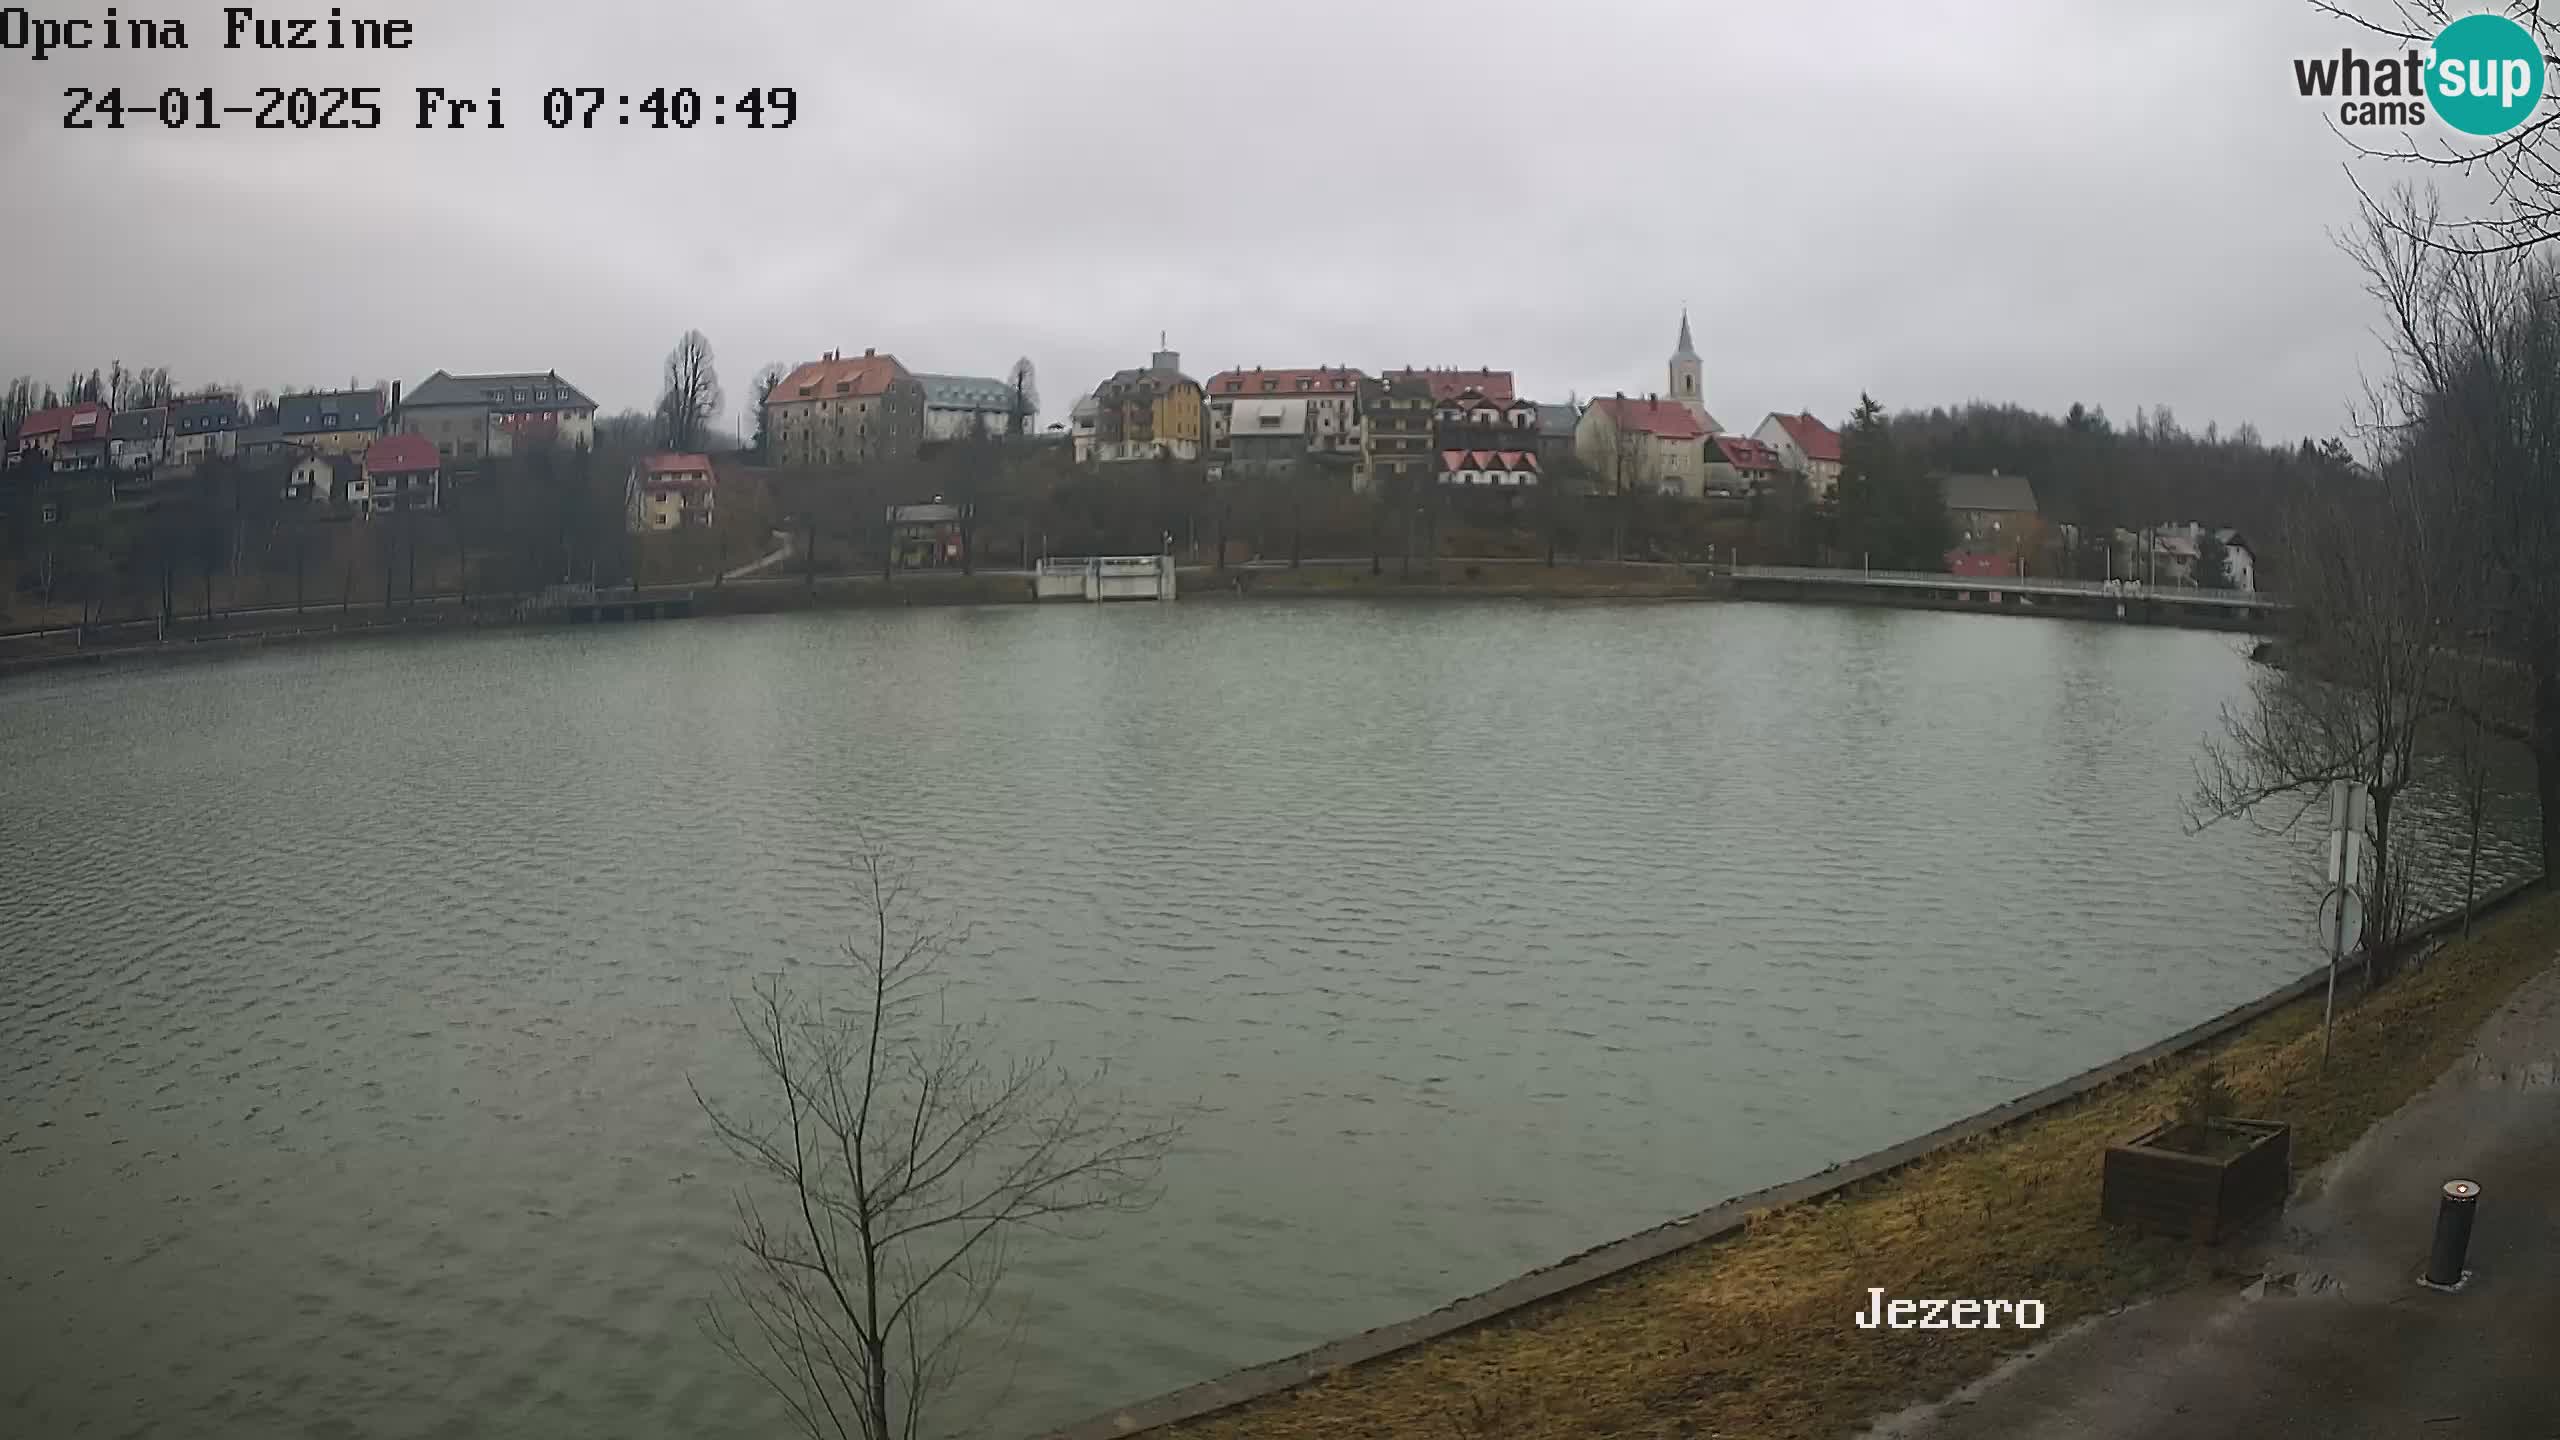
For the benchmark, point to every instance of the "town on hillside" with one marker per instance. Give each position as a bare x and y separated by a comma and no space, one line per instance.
119,488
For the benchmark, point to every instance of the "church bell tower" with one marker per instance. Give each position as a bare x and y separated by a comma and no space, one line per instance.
1685,383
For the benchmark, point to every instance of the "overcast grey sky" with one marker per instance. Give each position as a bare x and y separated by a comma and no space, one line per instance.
2031,200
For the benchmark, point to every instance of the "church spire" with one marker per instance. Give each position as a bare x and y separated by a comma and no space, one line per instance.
1687,384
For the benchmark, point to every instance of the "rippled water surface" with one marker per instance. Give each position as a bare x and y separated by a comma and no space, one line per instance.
348,997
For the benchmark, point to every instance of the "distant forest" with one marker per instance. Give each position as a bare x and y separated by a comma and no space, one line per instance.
2090,473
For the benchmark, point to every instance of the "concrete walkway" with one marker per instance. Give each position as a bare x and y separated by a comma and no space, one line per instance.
2337,1341
780,553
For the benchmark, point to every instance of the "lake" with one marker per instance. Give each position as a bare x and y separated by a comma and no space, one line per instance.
349,996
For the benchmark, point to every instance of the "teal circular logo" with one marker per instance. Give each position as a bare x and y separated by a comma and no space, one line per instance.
2485,75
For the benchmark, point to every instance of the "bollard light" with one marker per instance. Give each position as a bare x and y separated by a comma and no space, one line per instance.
2454,1212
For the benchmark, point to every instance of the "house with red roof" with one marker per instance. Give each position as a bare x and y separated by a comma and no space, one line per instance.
1740,465
844,410
1445,384
1500,469
73,437
1648,446
668,492
399,472
1331,393
1806,446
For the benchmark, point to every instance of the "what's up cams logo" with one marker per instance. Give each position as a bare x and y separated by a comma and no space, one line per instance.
2482,76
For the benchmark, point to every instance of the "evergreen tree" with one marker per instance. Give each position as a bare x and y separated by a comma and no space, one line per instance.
1862,463
1891,515
2213,568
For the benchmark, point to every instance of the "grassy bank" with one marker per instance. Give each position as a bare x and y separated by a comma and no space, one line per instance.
845,592
193,634
1753,1337
1453,578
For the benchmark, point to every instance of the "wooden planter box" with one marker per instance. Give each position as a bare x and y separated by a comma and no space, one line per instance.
2158,1182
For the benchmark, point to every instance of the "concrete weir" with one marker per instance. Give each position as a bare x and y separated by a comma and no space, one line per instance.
1105,577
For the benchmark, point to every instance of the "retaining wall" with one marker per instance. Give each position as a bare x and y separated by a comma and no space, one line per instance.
1705,1227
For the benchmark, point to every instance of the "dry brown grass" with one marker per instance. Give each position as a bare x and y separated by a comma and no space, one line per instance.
1753,1336
1491,577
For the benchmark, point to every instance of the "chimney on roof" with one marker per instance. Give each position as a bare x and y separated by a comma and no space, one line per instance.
868,352
395,397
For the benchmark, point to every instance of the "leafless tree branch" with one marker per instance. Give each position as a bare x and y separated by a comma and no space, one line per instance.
908,1153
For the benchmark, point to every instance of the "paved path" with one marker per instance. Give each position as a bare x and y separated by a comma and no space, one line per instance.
2339,1342
782,551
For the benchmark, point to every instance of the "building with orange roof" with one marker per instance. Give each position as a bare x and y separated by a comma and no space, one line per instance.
845,410
1445,384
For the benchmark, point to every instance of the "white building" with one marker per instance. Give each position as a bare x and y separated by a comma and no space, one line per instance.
1267,434
469,416
322,479
1806,446
957,407
206,427
1081,422
1498,469
137,439
1648,446
2239,563
1329,393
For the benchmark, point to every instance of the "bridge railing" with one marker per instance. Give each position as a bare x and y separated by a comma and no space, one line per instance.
2030,584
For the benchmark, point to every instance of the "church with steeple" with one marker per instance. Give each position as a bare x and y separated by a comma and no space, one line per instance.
1687,387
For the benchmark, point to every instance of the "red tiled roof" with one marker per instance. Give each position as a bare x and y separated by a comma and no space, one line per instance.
1817,440
1744,453
1488,459
1666,419
1468,397
1496,384
838,376
64,417
399,454
1257,381
676,472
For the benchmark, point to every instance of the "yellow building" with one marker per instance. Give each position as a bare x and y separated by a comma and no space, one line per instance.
1155,413
333,422
669,491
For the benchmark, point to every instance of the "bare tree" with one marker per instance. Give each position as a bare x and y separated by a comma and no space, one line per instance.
2479,688
903,1155
761,390
2475,341
2374,582
2522,166
692,398
1024,407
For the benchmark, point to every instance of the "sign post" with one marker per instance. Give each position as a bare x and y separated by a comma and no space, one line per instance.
2342,908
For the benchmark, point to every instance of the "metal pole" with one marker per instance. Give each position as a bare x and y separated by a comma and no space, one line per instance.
2337,943
2454,1213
